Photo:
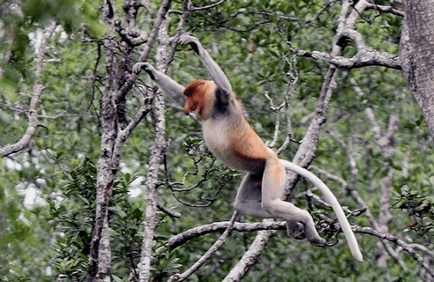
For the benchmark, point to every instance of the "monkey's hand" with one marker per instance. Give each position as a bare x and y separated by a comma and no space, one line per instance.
193,41
150,70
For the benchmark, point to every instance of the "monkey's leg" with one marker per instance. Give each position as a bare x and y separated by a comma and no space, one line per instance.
248,200
273,184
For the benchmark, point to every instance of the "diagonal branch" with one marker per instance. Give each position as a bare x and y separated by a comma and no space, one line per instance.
38,88
162,13
385,9
207,255
406,247
250,258
194,9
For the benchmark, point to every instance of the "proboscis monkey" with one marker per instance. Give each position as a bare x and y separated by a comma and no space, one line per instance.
229,136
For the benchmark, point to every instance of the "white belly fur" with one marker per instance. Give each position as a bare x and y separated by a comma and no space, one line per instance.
216,137
220,138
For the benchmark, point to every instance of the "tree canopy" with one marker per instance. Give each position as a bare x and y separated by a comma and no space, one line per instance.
103,177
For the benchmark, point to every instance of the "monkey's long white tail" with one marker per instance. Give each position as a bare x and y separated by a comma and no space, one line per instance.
331,199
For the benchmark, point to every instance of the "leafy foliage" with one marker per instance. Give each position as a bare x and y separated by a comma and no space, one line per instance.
46,236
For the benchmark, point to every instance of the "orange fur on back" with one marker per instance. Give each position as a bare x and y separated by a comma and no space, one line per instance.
249,149
233,141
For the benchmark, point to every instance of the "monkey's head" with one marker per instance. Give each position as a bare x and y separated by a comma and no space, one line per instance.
200,95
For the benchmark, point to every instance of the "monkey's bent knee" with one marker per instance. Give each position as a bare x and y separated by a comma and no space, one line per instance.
251,208
271,207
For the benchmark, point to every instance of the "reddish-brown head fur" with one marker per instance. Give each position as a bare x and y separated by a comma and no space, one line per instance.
199,97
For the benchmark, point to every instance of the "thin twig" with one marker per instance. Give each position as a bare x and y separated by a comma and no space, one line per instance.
207,255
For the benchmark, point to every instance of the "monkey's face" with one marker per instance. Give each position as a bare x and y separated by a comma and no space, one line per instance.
191,105
199,98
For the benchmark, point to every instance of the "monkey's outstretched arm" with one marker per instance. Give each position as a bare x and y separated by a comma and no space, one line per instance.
168,85
216,73
331,199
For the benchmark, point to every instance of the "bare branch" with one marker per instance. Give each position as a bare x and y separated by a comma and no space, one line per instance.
420,247
172,214
250,258
323,9
277,125
364,57
392,128
162,13
384,142
194,9
207,255
385,9
349,154
158,149
190,234
156,152
99,261
38,88
59,115
240,270
132,38
406,247
124,134
261,13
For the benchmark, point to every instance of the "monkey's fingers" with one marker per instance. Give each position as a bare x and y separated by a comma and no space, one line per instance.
142,66
187,39
191,40
137,67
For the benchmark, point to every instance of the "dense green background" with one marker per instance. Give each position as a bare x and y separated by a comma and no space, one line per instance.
48,236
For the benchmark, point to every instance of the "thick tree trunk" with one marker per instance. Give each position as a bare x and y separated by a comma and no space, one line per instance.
417,55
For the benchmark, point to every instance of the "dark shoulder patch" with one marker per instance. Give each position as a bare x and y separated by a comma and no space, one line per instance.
222,105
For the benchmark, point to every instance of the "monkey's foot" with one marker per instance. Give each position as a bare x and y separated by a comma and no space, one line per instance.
295,230
327,244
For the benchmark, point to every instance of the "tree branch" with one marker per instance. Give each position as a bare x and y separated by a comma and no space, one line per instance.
406,247
267,227
364,57
207,255
250,258
385,9
38,88
162,13
99,261
194,9
196,232
157,150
